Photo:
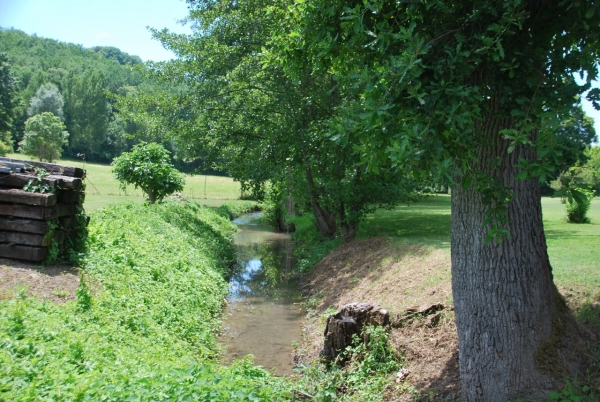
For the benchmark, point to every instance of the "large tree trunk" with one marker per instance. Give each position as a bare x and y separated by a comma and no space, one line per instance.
511,320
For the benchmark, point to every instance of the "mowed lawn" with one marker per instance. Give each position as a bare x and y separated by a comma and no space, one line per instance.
103,189
574,249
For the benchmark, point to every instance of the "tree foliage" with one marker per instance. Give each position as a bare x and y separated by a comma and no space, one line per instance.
87,114
243,113
149,167
47,99
8,101
88,79
45,135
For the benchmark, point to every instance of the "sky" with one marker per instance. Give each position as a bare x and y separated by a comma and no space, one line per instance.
118,23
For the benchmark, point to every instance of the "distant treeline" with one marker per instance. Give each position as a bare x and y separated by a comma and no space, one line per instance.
81,86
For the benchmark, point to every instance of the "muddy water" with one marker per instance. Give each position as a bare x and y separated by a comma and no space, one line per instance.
264,314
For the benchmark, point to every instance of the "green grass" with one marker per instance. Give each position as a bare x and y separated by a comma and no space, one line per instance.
574,249
143,326
103,189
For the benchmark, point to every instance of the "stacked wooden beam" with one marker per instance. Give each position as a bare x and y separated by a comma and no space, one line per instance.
30,222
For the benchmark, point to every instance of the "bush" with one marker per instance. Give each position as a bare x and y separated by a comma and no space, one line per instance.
578,206
149,167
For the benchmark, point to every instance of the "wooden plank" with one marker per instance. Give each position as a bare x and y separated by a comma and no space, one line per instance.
23,225
30,211
27,239
66,209
69,196
27,253
64,182
27,198
50,167
19,180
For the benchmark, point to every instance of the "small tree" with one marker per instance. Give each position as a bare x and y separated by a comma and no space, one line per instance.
149,167
45,135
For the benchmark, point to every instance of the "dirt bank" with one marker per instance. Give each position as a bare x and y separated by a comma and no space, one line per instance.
397,276
55,283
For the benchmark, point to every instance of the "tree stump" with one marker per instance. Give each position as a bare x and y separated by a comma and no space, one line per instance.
350,320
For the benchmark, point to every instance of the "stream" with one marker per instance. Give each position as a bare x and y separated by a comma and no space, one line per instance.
264,312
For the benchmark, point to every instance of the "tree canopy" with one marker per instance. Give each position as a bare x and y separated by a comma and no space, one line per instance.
45,136
149,167
87,79
47,99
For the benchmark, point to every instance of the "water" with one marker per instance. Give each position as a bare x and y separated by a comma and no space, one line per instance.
263,317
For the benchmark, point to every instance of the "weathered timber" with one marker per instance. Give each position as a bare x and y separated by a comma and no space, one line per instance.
350,320
27,198
65,182
69,196
29,239
6,169
27,253
19,180
66,210
50,167
23,225
29,211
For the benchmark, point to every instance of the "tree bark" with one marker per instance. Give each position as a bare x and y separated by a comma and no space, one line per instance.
325,219
511,320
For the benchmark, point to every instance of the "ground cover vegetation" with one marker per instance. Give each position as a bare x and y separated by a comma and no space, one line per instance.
357,105
142,325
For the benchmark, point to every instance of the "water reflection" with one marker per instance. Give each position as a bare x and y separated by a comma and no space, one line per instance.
264,314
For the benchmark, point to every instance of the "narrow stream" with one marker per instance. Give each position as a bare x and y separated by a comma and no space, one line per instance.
264,314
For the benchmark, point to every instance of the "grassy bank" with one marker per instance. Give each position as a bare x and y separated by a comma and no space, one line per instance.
143,324
401,259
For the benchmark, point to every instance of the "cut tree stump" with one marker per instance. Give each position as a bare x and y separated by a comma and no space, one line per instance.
350,320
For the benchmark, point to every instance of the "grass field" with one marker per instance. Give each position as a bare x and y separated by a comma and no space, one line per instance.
103,189
573,248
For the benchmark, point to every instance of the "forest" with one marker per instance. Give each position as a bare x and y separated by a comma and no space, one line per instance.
78,85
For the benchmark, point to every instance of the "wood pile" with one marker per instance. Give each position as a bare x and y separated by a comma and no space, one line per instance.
32,222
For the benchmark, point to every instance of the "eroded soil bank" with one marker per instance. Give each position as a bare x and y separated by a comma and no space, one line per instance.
399,276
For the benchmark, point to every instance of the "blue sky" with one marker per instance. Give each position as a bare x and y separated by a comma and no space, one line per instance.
119,23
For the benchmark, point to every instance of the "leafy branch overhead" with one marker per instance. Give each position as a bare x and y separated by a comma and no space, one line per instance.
148,166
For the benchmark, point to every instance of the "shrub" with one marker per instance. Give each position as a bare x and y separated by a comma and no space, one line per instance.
578,206
149,167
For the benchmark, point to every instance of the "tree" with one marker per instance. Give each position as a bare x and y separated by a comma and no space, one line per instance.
570,136
591,168
86,114
240,111
8,89
44,137
149,167
459,89
47,99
